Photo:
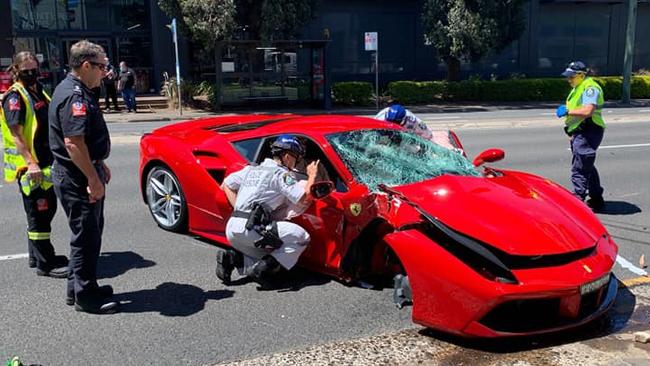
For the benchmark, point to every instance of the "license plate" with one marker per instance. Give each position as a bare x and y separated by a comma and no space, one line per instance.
594,285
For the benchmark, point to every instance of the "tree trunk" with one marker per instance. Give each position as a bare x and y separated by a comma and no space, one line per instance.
453,68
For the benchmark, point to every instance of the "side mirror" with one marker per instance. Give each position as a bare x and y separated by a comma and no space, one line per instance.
489,156
322,189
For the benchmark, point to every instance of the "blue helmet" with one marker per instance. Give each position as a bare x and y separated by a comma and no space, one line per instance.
396,113
287,143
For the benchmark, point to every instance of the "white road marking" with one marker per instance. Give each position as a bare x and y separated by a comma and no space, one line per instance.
619,146
13,256
547,114
644,111
629,266
623,146
435,118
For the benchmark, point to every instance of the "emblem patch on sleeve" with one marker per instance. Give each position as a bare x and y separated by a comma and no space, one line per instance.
288,179
591,92
14,104
78,109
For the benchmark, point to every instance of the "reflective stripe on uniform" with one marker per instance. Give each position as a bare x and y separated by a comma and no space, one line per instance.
33,235
11,151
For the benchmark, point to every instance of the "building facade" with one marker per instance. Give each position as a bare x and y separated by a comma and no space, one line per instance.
135,31
129,30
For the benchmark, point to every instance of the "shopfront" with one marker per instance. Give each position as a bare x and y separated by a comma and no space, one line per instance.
49,27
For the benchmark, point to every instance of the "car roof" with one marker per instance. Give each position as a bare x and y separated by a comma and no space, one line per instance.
234,128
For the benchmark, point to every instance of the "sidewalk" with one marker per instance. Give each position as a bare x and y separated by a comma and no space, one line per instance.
188,114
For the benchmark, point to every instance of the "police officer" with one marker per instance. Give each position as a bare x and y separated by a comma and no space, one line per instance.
396,113
80,143
585,125
28,160
264,197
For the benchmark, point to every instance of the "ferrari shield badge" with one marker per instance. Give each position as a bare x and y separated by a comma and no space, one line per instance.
355,209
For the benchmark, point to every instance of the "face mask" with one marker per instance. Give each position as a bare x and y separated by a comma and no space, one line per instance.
123,69
28,77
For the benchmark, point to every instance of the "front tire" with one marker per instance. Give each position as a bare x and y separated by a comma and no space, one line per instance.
166,200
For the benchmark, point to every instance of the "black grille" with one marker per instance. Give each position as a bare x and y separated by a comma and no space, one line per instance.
522,316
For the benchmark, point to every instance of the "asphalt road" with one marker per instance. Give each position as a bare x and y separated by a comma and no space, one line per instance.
176,312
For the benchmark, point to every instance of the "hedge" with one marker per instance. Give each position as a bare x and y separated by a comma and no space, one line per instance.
352,93
418,92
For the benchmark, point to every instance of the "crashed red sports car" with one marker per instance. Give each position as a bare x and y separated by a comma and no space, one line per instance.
479,251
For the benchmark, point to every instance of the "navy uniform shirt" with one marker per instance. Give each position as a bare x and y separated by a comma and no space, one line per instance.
15,111
75,112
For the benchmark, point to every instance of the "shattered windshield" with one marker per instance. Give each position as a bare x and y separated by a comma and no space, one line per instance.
396,158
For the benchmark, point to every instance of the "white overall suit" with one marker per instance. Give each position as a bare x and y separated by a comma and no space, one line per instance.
276,187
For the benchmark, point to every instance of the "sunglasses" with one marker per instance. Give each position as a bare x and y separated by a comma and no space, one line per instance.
99,65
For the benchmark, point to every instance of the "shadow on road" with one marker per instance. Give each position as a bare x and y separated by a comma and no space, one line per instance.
170,299
619,208
619,317
113,264
293,281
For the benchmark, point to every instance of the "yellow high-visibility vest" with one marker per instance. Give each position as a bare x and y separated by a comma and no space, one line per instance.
574,100
14,162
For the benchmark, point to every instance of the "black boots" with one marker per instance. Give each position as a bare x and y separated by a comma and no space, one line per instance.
227,261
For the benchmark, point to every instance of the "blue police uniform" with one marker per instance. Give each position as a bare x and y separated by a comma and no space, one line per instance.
585,141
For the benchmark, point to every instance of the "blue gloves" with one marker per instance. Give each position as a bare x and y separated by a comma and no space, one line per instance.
561,111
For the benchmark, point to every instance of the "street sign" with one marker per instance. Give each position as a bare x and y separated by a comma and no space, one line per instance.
372,44
178,67
370,40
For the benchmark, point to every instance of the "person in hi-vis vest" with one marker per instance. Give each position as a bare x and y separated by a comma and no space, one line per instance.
28,161
584,123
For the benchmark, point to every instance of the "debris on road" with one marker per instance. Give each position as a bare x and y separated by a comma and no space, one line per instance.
642,337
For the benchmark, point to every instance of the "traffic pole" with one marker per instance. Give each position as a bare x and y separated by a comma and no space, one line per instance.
178,68
629,50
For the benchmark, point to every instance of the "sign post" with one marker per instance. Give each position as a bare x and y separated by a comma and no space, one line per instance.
371,41
178,68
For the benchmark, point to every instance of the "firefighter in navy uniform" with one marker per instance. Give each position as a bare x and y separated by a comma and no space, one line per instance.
28,160
80,143
264,198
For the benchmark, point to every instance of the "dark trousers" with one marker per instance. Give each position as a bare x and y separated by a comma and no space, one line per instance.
111,94
40,207
86,221
584,175
129,99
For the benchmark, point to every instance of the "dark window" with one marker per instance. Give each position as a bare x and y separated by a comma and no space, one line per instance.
248,148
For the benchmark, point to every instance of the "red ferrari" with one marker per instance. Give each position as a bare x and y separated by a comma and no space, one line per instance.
479,251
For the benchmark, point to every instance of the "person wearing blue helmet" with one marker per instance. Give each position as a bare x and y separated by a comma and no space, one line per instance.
396,113
264,198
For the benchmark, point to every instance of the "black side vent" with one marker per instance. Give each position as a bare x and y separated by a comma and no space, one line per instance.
201,153
217,174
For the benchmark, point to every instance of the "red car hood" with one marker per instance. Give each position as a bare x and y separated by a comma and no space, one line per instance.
508,212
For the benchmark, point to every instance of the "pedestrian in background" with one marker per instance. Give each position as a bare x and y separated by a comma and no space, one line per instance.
126,85
28,160
80,143
584,123
110,89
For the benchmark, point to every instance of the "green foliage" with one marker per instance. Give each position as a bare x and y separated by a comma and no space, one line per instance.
352,93
282,19
205,21
511,90
469,29
416,92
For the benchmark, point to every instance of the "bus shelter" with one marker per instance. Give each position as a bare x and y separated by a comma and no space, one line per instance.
276,73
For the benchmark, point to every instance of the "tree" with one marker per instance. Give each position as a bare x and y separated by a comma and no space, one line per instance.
274,19
469,29
205,21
